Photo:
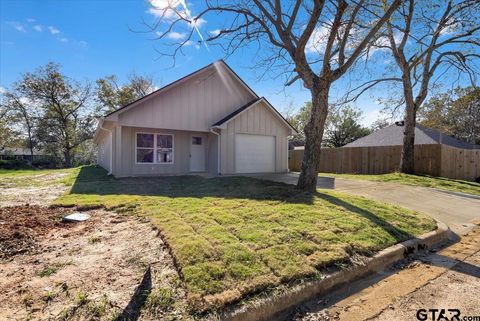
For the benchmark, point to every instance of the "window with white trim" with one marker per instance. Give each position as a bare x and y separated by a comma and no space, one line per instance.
164,148
154,148
145,148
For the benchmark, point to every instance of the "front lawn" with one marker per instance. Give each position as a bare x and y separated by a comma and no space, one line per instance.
447,184
234,236
37,177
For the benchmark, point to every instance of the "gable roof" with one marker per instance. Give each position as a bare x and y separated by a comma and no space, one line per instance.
177,82
250,104
393,136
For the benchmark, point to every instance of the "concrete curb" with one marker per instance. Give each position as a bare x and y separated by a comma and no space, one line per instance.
269,308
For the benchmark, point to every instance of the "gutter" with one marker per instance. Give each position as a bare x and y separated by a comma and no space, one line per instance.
218,148
111,145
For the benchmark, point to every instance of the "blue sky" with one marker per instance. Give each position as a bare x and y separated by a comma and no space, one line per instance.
93,38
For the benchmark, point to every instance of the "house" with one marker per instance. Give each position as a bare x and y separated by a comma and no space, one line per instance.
21,153
393,136
207,122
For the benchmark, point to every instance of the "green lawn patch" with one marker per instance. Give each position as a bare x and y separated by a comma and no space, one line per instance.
37,177
447,184
235,236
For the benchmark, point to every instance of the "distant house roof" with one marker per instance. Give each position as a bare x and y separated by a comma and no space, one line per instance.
18,151
393,136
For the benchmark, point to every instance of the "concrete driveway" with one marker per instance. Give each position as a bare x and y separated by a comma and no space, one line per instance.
457,210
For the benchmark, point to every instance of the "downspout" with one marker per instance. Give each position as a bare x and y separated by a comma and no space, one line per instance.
111,146
218,150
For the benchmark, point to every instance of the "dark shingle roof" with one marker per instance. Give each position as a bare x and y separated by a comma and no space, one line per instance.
393,136
236,112
248,105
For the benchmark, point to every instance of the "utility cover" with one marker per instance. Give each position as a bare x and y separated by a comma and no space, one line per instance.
76,217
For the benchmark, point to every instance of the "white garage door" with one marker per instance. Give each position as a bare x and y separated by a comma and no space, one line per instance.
254,153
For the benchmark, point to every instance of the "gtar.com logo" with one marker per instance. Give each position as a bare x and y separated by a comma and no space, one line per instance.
443,315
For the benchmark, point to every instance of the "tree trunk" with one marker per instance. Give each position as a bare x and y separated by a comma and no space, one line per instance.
30,144
68,158
313,137
408,157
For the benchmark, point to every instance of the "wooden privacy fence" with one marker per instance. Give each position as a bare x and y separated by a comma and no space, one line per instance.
435,160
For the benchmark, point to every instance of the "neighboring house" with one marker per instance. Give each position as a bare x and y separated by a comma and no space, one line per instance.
20,153
393,136
209,121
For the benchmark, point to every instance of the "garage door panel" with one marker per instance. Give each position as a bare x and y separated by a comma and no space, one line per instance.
254,153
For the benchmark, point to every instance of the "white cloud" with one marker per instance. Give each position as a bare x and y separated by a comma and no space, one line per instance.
53,30
214,33
38,28
372,115
82,43
63,39
31,20
450,28
317,40
198,22
18,26
188,43
3,90
169,9
176,35
165,8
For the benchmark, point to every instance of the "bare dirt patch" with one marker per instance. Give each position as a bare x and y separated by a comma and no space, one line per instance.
84,271
20,226
38,189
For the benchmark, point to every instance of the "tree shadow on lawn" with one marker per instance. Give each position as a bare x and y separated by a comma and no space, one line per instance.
95,181
394,231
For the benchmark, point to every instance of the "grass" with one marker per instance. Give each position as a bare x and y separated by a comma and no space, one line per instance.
49,296
37,177
235,236
47,271
160,298
446,184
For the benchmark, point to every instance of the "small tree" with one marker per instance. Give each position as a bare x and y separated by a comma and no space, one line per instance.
337,32
343,127
110,95
300,119
9,136
66,120
456,112
21,113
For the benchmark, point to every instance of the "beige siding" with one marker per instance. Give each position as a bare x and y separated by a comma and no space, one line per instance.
259,120
193,105
126,165
212,150
103,156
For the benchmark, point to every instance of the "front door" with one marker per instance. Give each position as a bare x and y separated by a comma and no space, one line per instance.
197,154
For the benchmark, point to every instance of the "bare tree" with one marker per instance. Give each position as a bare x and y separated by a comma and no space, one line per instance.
23,113
431,43
316,41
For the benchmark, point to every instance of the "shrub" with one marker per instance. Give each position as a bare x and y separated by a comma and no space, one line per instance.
14,164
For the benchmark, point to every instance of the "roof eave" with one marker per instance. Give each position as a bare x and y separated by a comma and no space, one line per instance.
222,124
